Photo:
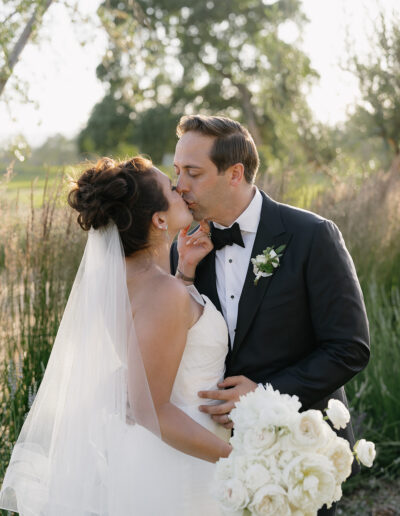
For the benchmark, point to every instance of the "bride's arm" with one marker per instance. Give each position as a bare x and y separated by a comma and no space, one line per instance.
162,334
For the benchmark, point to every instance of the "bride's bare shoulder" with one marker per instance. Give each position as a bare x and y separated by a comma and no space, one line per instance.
165,298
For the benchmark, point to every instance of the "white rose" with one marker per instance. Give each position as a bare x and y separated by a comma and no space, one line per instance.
284,456
236,441
339,452
365,452
269,501
338,414
260,258
338,493
223,469
259,438
233,495
256,476
311,482
309,430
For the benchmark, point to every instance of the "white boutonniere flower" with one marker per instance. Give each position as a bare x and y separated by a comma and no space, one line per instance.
265,264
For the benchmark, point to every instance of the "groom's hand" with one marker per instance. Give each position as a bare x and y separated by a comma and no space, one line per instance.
229,393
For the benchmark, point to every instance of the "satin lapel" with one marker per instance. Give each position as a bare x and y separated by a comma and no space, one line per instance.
270,232
206,280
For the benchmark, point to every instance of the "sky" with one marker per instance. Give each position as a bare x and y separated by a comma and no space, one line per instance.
59,74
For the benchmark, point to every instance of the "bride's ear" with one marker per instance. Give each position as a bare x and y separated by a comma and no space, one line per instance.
159,220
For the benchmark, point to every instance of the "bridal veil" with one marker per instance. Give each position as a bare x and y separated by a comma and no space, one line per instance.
94,385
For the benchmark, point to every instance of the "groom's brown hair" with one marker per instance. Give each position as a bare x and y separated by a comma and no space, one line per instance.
233,142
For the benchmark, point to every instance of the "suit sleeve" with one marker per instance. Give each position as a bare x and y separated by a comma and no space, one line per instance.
339,322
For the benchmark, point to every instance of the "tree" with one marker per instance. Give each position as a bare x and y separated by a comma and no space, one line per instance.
19,23
217,56
378,114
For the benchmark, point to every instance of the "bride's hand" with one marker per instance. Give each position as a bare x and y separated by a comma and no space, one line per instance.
193,248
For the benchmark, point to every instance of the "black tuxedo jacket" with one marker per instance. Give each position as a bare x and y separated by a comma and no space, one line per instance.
304,329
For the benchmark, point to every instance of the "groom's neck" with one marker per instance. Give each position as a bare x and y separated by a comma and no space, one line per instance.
235,206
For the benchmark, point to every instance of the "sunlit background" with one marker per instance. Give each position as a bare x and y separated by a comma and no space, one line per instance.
317,82
60,75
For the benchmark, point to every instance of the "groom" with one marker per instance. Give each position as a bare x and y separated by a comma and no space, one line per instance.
303,329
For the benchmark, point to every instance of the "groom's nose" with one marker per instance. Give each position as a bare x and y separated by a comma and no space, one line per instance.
182,185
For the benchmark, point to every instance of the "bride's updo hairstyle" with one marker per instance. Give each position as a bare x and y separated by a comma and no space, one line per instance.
126,192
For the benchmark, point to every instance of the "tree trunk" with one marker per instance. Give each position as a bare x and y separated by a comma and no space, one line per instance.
22,41
249,114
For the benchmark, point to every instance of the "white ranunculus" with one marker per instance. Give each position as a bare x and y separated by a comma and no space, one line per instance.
339,452
311,482
338,414
233,495
365,452
259,438
270,500
309,429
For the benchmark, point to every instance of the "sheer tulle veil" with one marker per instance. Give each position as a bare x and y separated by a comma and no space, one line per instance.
94,385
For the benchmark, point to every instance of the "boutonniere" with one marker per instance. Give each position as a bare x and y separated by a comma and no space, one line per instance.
265,264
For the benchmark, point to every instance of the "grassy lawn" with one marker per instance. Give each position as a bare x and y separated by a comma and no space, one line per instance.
32,182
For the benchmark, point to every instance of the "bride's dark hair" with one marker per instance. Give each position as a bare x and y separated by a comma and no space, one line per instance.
126,192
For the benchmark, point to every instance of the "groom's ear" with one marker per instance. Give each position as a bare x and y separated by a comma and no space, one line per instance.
236,172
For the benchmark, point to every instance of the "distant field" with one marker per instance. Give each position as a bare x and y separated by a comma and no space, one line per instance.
28,179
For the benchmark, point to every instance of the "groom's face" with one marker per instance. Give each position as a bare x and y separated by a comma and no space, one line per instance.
204,190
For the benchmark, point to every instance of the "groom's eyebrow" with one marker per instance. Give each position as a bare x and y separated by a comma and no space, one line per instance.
188,166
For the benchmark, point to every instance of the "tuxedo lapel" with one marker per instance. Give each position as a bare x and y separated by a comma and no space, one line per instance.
206,280
270,232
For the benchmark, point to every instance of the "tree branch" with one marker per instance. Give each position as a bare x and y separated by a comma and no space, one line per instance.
22,41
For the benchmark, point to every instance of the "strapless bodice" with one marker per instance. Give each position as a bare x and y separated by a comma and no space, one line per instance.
203,361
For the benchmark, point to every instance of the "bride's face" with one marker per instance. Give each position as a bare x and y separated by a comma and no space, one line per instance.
178,214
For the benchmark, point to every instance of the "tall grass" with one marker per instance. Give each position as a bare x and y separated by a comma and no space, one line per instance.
374,394
40,249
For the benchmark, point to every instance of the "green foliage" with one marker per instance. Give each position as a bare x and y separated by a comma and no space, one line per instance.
378,114
168,58
113,125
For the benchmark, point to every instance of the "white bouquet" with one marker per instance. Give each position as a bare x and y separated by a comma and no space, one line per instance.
285,462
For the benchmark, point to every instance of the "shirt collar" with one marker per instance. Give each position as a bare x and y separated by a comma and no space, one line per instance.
250,218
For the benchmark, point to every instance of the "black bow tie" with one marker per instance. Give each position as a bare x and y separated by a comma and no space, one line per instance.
222,237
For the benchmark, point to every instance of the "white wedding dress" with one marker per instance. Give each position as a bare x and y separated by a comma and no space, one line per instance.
164,481
79,452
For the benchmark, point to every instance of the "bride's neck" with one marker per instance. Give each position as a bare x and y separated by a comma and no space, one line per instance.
156,256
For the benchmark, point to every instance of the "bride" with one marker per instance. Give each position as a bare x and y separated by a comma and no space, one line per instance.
115,428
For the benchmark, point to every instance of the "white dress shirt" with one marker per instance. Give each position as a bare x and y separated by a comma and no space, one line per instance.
232,262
